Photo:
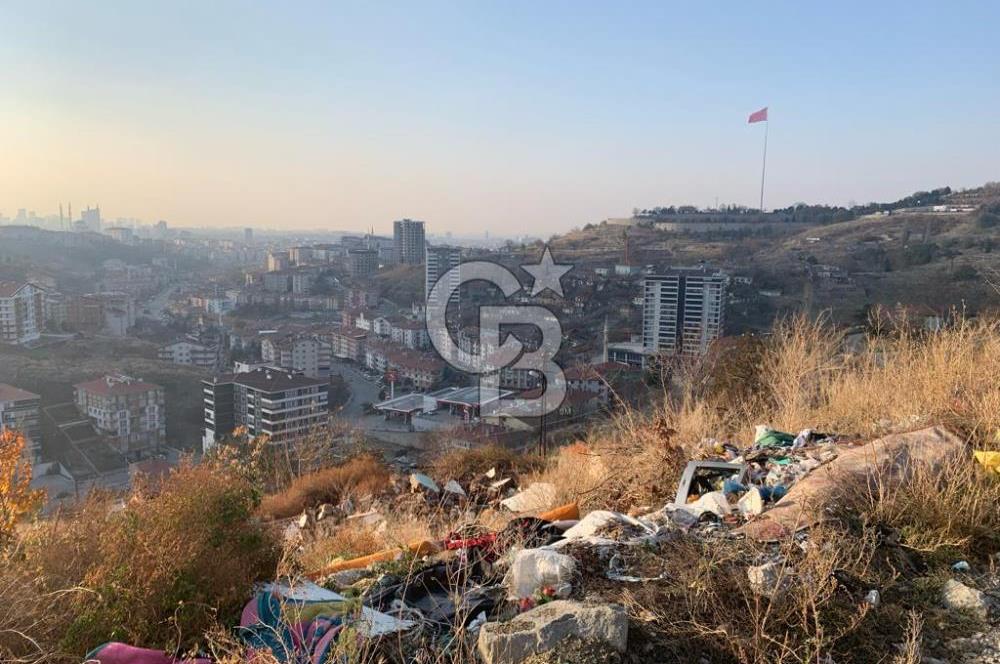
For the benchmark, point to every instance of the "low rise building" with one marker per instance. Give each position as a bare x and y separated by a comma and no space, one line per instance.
185,351
129,412
19,410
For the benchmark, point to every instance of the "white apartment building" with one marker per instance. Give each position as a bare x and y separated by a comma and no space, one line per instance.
22,312
683,311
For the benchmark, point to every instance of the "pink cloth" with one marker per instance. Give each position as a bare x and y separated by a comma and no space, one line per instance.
758,116
122,653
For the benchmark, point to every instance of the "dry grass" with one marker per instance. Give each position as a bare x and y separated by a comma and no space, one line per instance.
365,475
157,571
465,465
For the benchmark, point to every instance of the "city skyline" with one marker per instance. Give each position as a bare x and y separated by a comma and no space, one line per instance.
511,120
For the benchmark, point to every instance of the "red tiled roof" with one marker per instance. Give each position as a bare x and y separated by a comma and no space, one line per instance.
11,393
107,387
10,288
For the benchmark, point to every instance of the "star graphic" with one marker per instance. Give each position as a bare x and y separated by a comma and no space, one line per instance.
547,274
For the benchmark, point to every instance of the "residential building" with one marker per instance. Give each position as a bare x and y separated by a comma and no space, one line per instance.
283,405
308,354
185,351
410,333
362,262
248,237
348,343
683,310
22,312
408,241
19,410
302,283
276,282
129,412
277,261
439,260
121,234
300,255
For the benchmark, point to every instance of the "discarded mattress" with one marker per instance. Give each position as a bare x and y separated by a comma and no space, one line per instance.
892,458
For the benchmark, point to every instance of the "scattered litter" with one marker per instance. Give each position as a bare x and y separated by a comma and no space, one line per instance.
988,460
454,488
873,598
421,482
533,569
961,566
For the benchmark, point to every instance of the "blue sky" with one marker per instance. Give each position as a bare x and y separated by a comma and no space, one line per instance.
510,117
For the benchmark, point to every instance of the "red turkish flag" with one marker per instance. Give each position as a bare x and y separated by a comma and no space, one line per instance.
759,116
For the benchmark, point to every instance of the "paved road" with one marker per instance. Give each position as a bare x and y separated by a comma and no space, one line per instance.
157,304
362,391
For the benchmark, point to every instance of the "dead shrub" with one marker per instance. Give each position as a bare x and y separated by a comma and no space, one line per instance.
465,465
364,475
949,509
159,570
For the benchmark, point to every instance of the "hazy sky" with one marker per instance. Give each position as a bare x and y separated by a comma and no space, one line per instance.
515,117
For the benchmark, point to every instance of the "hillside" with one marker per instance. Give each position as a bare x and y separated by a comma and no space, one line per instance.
920,258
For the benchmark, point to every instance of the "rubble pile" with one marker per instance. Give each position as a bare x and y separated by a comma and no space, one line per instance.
511,595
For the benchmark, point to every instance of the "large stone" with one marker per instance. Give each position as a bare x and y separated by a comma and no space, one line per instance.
543,627
958,596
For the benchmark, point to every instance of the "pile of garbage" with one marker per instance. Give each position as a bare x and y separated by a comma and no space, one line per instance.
516,592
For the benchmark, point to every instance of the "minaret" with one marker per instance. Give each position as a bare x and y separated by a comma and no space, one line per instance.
604,355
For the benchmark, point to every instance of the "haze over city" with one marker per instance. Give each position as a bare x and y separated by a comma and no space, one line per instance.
505,117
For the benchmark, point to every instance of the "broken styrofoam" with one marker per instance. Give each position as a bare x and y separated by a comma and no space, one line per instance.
538,496
419,481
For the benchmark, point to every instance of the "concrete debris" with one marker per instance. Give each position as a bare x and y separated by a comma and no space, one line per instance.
538,496
534,569
960,597
892,459
544,627
421,482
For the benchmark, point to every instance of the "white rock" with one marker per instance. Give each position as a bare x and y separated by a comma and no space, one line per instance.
958,596
544,627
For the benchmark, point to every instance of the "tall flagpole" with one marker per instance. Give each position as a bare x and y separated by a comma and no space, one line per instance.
763,166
